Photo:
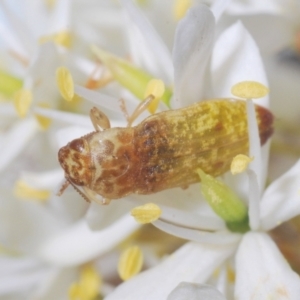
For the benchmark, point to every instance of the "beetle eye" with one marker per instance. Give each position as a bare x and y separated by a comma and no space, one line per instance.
77,145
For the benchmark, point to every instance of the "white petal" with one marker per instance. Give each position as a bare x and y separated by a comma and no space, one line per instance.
193,291
100,216
192,49
281,200
66,117
218,238
42,180
254,201
236,58
65,135
60,19
56,284
35,12
86,66
11,40
19,28
25,225
183,207
218,7
192,262
147,47
78,244
16,139
254,146
255,7
262,272
99,99
20,275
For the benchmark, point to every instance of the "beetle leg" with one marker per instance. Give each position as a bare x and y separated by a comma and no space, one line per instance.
93,196
99,77
83,195
106,201
139,109
123,108
99,119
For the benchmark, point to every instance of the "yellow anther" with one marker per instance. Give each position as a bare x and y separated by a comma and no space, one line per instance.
147,213
156,88
230,275
240,163
22,102
65,83
142,2
51,3
130,262
180,8
62,38
24,191
249,90
43,121
88,287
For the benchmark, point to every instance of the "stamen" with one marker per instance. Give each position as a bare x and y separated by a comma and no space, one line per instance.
96,80
23,60
22,102
180,8
65,83
249,90
24,191
133,79
130,263
88,286
240,163
43,121
62,38
147,213
156,88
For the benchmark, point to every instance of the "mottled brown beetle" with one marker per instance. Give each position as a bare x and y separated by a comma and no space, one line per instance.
164,151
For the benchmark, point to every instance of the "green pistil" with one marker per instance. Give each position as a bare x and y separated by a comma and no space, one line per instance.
133,79
9,84
225,203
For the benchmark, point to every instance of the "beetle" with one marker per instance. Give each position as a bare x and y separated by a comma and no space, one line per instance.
162,152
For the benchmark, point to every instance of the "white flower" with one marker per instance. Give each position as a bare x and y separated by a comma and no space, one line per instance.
44,238
274,25
197,260
261,270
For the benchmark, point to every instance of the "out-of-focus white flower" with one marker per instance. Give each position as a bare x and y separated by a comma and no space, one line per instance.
235,58
44,239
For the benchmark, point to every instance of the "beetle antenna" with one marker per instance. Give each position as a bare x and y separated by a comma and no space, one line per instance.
63,187
84,196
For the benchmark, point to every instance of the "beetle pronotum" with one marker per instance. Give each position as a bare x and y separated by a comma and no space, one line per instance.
163,151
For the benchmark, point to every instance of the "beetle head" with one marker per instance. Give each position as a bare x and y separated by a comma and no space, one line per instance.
76,161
